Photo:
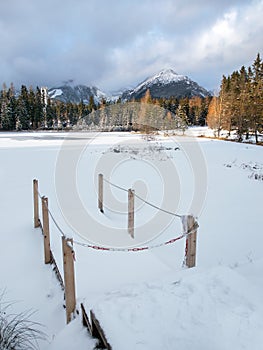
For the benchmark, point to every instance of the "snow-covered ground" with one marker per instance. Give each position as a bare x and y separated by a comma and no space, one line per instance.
144,300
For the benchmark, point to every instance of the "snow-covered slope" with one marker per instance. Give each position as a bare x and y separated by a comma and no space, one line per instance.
206,310
76,94
166,83
166,76
144,300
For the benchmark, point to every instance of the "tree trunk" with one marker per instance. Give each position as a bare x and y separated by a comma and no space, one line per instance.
256,135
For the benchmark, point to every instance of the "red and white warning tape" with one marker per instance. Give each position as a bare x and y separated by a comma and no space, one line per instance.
136,249
112,249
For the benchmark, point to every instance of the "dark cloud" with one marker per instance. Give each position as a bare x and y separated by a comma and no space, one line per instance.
116,43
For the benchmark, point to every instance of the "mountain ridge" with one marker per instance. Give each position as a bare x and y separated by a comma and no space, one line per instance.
76,94
164,84
167,83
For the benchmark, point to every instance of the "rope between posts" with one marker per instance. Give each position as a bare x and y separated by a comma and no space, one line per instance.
135,249
143,200
57,225
112,184
155,206
52,217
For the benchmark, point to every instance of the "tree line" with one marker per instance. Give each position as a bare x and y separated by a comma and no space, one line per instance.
147,114
32,109
239,104
238,107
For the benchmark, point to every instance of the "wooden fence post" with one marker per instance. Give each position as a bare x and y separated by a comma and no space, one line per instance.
100,192
45,215
36,209
69,277
131,212
190,225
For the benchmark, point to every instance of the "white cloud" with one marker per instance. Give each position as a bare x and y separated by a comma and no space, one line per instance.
145,55
231,32
231,42
114,43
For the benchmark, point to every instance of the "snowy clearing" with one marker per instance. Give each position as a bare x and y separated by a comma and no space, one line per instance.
144,300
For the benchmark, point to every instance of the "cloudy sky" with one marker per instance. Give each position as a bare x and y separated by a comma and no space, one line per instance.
117,43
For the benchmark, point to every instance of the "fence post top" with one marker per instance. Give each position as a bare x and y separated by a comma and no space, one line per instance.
68,241
189,220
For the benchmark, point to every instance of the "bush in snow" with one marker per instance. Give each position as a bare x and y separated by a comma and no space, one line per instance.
17,331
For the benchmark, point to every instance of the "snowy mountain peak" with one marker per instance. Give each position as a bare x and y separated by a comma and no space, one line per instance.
164,84
167,83
164,77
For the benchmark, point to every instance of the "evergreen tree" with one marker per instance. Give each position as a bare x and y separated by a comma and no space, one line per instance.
39,109
240,104
24,109
184,109
50,114
256,97
12,107
31,108
195,110
224,108
204,110
181,118
91,106
5,122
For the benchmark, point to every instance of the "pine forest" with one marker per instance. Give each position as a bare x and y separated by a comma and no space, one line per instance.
238,107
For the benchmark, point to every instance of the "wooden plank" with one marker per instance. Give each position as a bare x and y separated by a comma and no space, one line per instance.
85,319
131,212
97,330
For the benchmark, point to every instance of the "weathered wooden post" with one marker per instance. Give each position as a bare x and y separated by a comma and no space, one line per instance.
190,226
131,212
36,208
69,277
45,216
100,192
